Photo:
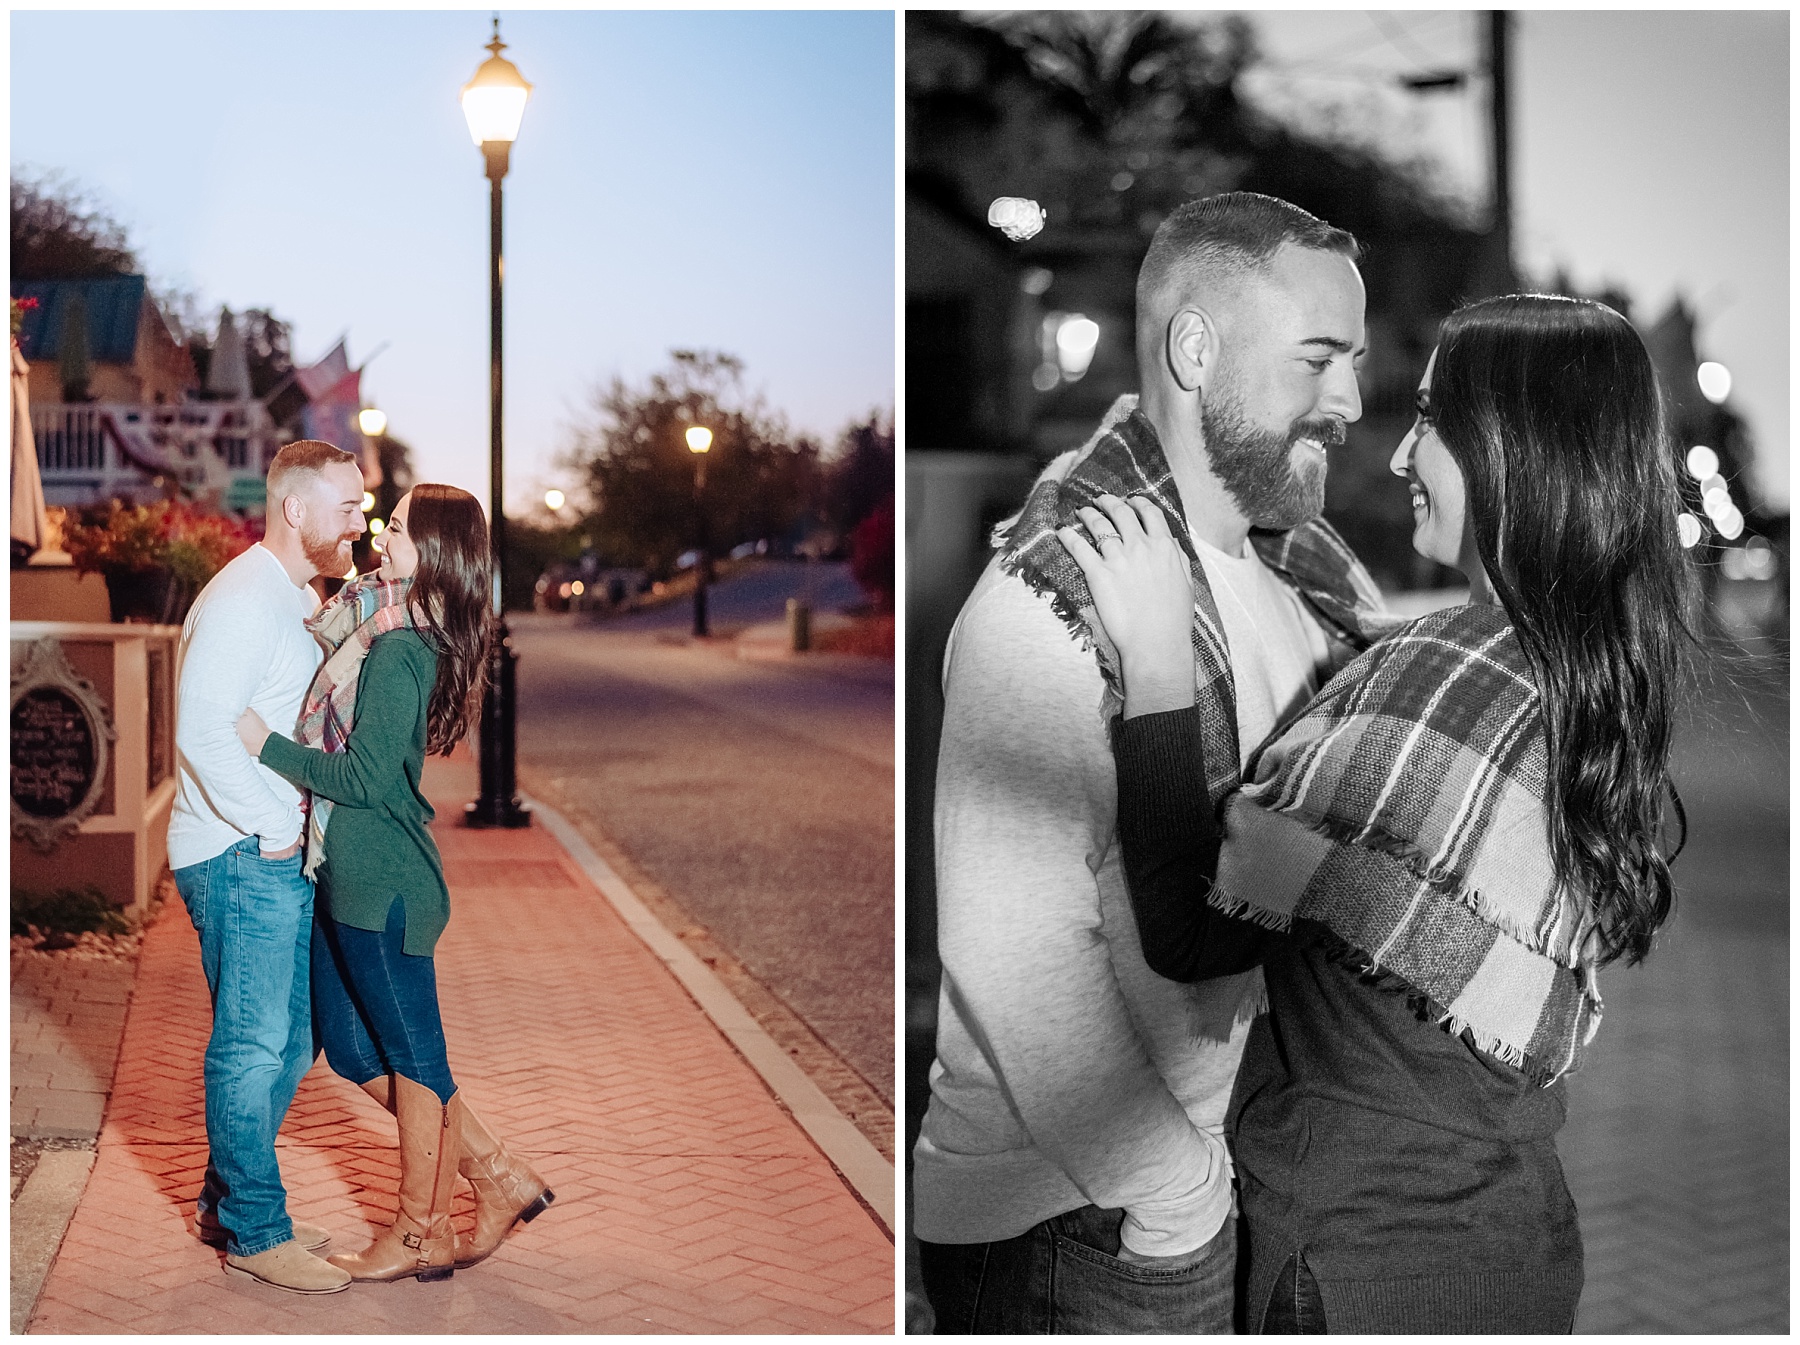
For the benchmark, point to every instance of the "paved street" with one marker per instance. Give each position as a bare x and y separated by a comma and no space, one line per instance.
759,795
688,1198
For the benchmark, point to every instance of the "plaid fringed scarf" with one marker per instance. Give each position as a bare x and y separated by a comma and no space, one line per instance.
1405,811
1125,458
346,626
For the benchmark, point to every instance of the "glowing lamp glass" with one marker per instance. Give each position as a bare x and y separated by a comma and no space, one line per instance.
699,438
493,103
372,422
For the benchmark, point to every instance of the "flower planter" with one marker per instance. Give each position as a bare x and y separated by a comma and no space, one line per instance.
155,596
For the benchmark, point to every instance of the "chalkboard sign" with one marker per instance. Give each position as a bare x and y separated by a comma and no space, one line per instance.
54,755
60,734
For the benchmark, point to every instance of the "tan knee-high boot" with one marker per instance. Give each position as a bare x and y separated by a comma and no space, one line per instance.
421,1240
507,1190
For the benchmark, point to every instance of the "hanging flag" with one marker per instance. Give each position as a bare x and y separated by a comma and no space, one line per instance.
324,376
331,415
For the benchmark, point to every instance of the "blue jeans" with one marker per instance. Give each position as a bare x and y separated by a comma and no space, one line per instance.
1295,1307
376,1005
254,919
1064,1277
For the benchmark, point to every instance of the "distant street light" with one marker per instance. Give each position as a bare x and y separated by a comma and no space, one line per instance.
493,104
372,421
699,441
554,499
1715,381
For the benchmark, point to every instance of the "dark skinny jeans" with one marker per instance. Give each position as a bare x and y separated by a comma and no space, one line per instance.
375,1006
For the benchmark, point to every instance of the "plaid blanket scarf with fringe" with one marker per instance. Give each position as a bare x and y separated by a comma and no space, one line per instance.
1405,811
1125,458
346,626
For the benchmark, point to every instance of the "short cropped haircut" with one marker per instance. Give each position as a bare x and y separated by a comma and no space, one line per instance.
300,460
1229,235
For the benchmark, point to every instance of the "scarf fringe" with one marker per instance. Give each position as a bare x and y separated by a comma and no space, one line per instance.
1385,980
1447,884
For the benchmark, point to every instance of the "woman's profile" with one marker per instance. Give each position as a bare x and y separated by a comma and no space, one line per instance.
1435,858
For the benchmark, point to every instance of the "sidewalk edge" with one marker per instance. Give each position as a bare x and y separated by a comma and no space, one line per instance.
40,1217
859,1162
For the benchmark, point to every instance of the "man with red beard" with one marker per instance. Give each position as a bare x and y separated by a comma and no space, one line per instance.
234,846
1071,1174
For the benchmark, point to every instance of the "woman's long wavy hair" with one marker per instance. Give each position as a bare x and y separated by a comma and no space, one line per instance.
453,592
1551,408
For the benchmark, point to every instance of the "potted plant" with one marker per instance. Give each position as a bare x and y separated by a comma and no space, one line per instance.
154,557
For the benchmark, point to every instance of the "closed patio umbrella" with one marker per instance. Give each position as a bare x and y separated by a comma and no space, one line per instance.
30,524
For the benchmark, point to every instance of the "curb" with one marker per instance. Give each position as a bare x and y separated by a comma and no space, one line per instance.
860,1164
40,1217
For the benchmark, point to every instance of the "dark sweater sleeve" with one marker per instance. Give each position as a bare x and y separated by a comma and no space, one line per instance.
389,703
1170,839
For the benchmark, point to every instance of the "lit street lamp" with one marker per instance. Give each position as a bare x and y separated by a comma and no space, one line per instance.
554,499
699,440
494,103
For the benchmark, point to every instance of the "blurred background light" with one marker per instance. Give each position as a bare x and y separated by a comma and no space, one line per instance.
377,526
1690,529
1715,381
1731,523
1076,338
1702,462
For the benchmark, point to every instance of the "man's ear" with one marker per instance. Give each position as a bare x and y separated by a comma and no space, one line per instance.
293,510
1193,347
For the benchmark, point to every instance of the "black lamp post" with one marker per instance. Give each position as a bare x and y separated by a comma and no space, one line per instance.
699,440
494,103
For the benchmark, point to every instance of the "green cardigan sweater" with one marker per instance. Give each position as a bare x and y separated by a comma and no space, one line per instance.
377,847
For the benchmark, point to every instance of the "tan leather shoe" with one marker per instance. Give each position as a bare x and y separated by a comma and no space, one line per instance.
421,1241
291,1267
213,1233
507,1190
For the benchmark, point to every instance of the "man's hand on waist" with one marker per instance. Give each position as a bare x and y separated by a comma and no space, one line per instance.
286,852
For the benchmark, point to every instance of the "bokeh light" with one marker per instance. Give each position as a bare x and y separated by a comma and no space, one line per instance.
1690,529
1702,462
1715,381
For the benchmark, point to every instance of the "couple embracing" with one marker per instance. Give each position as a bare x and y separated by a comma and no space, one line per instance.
1270,925
390,669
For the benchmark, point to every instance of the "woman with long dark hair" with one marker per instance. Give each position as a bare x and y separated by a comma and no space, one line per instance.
406,663
1434,858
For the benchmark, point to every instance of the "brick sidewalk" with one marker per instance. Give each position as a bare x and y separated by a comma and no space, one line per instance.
687,1198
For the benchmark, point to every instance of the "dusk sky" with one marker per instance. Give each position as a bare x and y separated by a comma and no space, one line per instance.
1650,151
718,180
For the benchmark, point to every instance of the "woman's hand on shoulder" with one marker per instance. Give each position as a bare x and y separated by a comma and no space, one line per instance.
1143,589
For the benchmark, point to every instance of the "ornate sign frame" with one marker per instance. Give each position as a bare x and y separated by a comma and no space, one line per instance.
47,668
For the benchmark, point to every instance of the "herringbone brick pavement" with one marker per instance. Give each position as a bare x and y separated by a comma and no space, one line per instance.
1676,1149
687,1199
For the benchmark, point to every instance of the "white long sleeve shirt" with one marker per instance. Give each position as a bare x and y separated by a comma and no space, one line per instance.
245,644
1067,1072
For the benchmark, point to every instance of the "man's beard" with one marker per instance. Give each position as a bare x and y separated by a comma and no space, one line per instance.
1257,466
323,552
